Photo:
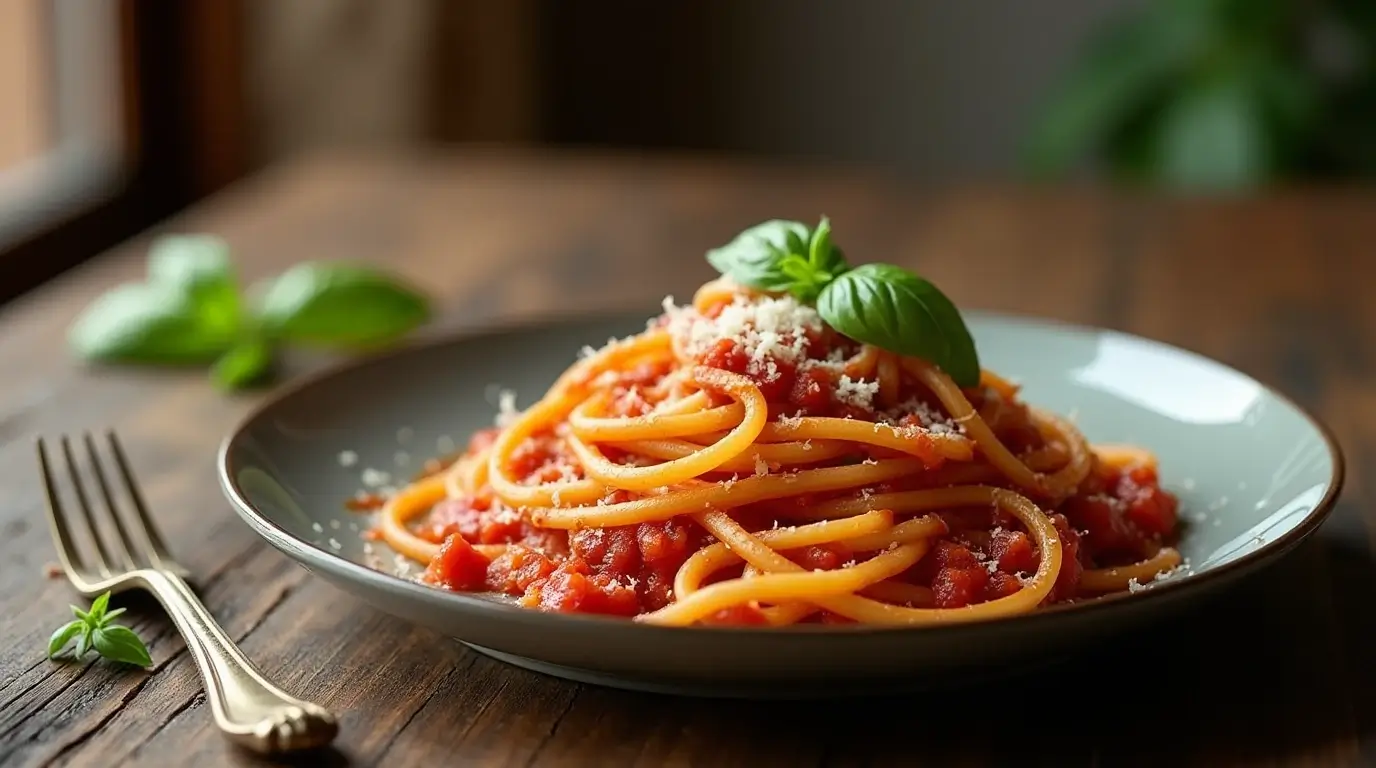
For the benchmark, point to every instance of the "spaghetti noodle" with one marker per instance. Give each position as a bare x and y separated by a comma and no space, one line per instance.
739,462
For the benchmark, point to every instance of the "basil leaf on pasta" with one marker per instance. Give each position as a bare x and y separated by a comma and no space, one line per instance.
894,309
755,257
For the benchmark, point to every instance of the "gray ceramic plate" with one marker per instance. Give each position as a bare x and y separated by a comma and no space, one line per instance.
1255,475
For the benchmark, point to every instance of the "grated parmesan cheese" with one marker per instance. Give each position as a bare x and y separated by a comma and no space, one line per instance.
790,422
374,478
767,329
856,392
761,466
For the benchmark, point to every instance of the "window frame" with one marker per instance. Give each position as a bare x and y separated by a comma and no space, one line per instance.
130,83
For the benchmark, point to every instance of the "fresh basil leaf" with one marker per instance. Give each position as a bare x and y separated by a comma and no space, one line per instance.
119,643
98,608
64,635
110,615
199,265
339,305
246,364
754,258
83,643
152,322
796,267
189,260
826,259
894,309
80,614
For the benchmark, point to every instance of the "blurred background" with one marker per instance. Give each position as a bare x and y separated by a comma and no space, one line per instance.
120,112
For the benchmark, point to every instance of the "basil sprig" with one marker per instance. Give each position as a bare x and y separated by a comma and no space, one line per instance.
878,304
782,256
93,631
190,311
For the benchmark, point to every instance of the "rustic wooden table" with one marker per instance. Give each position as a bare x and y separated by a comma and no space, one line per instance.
1281,668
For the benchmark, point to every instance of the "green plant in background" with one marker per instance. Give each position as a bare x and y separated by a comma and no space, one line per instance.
1219,94
190,312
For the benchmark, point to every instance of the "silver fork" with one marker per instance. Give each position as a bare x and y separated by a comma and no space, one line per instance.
250,710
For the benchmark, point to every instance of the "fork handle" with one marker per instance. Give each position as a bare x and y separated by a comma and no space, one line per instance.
250,710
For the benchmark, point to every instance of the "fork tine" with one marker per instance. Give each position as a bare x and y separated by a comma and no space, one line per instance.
67,552
102,556
158,550
128,550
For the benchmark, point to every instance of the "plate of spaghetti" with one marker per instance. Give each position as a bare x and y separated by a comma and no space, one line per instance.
807,477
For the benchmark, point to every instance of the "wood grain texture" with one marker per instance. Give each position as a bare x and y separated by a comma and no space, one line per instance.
1279,672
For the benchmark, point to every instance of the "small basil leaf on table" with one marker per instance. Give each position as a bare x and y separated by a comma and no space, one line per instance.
148,322
340,305
755,257
199,265
119,643
894,309
64,635
247,363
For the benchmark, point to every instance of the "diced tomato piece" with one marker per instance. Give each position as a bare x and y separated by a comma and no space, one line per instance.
727,355
500,529
817,557
776,381
949,554
943,554
513,571
548,540
811,392
666,542
957,587
656,588
564,591
1013,550
1072,561
461,516
458,566
612,550
611,595
531,455
1149,507
1106,527
1001,585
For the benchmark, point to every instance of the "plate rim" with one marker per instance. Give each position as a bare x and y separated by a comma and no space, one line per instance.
307,553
